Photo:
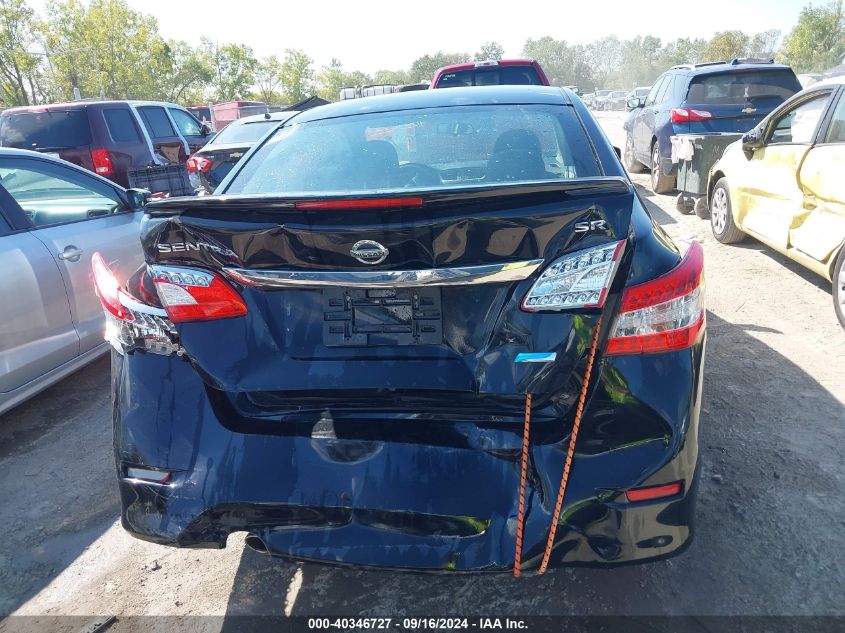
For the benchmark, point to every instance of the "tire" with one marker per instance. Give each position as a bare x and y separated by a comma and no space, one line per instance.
632,165
721,215
660,183
839,286
701,208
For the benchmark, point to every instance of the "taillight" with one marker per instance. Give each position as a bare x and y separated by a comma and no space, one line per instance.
576,280
102,162
663,314
198,163
131,324
108,288
685,115
189,294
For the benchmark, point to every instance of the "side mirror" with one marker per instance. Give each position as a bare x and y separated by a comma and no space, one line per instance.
138,198
751,141
205,130
634,103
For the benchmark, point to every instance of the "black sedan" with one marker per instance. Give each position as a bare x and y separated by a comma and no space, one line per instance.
210,165
435,330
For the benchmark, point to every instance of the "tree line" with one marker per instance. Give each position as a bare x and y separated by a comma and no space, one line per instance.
107,49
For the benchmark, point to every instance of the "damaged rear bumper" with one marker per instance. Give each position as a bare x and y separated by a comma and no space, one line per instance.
340,496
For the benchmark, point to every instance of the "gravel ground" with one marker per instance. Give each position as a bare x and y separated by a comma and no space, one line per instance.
771,510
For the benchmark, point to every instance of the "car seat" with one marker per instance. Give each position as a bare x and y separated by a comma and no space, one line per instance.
517,155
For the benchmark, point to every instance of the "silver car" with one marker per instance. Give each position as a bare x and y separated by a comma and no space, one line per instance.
53,217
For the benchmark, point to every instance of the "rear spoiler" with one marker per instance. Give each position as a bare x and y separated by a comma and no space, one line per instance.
605,185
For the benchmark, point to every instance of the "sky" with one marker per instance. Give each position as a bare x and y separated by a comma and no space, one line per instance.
369,35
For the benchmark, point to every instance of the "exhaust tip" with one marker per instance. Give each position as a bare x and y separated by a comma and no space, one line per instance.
256,544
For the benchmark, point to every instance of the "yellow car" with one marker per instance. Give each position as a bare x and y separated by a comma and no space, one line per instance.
784,184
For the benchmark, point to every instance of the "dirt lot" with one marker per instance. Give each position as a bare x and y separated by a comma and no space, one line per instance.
770,518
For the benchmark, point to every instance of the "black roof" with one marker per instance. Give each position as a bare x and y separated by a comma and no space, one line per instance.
439,98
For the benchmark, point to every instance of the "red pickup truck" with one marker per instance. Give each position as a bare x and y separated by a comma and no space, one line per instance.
519,72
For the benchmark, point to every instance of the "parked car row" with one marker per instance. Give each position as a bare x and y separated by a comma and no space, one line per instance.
115,139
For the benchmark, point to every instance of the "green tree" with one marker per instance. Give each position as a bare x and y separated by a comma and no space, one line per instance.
297,76
396,77
105,49
764,44
233,69
268,79
424,67
681,51
18,66
490,50
727,45
186,73
333,77
564,65
604,57
817,42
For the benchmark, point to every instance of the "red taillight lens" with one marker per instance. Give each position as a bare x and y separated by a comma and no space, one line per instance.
108,288
189,294
102,162
684,115
664,314
654,492
374,203
198,163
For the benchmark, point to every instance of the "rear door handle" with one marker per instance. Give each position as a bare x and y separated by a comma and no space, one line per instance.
71,253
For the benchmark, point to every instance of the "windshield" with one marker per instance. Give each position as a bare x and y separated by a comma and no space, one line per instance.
431,148
45,130
602,93
491,76
244,132
738,88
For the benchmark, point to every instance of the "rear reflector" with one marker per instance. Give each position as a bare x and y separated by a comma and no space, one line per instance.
147,474
371,203
663,314
189,294
684,115
654,492
102,162
576,280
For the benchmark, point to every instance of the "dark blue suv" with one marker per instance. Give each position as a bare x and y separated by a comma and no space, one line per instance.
701,98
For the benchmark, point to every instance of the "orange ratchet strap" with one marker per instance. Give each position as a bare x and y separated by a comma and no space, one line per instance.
576,425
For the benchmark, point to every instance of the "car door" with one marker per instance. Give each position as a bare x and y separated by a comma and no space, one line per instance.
166,141
819,228
190,129
36,328
769,195
75,214
644,123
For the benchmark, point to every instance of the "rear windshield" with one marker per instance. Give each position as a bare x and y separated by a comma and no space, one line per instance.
421,149
493,76
58,129
773,86
244,132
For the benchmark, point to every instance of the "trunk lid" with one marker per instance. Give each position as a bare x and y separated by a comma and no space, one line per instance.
324,325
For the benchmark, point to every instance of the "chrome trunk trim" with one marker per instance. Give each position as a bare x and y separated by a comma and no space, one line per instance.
457,276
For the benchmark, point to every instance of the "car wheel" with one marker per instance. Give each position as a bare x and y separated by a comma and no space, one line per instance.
721,216
631,164
660,183
839,287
